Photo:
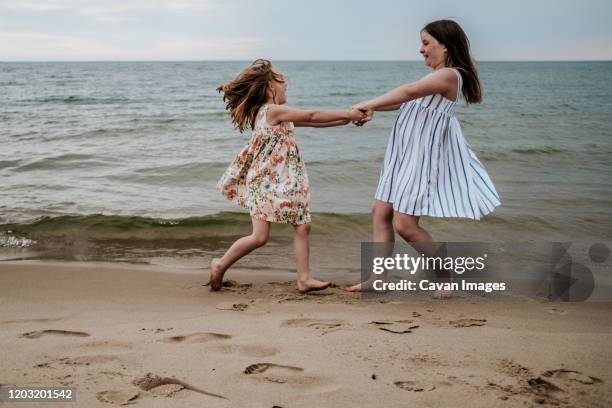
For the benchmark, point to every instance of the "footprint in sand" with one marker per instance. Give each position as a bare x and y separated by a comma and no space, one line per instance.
240,288
513,369
86,360
42,320
542,386
384,322
106,345
168,386
548,392
427,360
118,397
554,310
399,329
323,325
251,350
543,390
285,283
414,386
156,330
78,361
237,307
281,374
286,292
395,326
259,368
40,333
467,322
381,322
288,297
572,375
196,338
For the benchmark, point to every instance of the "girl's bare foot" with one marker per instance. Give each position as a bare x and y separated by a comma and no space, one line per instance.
354,288
216,275
311,284
442,294
367,286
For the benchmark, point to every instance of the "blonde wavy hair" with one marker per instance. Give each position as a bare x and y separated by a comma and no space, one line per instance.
246,93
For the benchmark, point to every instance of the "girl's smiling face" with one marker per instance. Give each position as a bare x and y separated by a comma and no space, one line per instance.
432,50
278,88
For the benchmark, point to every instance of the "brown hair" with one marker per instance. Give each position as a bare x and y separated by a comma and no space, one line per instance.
246,93
452,36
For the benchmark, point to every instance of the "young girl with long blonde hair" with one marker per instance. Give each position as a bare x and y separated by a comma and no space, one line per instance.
268,177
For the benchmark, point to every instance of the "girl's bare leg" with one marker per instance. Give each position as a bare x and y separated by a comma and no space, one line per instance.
382,226
407,226
258,238
301,247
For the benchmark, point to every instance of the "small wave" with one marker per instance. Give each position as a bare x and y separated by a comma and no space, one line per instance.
209,228
213,233
525,221
161,120
344,94
491,156
10,241
522,152
63,161
223,224
539,150
169,120
565,106
12,83
215,114
77,99
9,163
180,173
25,135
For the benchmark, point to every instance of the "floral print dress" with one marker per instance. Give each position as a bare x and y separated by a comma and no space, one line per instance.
269,177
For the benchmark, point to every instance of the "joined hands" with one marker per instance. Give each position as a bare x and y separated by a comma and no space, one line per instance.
366,113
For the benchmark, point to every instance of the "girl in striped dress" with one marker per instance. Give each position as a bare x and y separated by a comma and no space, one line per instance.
429,168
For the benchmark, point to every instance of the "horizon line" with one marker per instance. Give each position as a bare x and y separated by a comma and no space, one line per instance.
309,60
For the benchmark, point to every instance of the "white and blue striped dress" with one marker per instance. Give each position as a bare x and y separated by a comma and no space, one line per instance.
429,168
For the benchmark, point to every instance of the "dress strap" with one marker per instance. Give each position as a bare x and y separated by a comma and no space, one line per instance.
262,114
459,83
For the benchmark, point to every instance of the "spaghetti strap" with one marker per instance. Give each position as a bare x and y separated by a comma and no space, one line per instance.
459,82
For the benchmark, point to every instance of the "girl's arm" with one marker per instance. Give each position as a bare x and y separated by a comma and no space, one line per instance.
281,113
369,113
322,125
440,81
389,107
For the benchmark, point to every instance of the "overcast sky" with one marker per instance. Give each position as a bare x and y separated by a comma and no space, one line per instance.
44,30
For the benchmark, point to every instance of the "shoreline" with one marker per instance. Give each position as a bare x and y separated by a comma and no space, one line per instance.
155,336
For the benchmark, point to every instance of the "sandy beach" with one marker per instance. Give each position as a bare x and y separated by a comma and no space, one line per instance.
155,336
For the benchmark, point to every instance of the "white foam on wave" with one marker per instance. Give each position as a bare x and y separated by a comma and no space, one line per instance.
10,241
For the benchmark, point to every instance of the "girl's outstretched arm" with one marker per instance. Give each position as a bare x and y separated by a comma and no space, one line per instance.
389,107
369,113
441,81
280,113
323,125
